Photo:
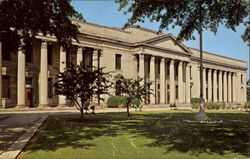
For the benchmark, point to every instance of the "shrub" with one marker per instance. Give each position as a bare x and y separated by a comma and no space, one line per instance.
135,103
115,101
195,100
195,103
216,106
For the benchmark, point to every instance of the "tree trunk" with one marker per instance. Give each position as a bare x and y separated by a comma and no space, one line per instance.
128,110
81,110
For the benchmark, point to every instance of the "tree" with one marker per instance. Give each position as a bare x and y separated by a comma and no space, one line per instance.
24,19
80,84
191,16
132,89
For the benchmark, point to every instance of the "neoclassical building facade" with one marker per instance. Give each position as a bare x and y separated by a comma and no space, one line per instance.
27,77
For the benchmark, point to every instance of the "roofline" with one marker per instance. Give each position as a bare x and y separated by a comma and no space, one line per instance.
102,26
145,29
219,55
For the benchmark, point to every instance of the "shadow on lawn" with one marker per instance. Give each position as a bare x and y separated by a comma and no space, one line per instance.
166,130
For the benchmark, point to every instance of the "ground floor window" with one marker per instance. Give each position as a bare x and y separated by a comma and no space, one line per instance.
5,87
118,88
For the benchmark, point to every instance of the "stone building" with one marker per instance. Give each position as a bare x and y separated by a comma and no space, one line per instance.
27,78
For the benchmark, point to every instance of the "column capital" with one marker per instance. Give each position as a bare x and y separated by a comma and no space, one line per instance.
44,45
141,56
79,50
162,59
171,61
152,59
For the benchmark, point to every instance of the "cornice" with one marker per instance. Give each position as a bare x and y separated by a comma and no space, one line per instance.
216,63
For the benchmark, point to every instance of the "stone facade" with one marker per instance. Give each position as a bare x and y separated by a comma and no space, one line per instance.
27,79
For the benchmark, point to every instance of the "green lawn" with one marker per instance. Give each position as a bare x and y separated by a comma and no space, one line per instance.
146,135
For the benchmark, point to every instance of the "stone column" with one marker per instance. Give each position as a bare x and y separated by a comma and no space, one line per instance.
220,86
95,58
234,87
180,82
204,85
62,65
162,81
229,87
141,66
215,97
171,82
43,76
20,78
79,56
225,86
152,79
209,86
188,83
1,74
244,87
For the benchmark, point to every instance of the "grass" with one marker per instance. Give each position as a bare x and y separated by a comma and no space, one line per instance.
146,135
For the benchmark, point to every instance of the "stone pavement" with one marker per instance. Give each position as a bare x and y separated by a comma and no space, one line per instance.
17,126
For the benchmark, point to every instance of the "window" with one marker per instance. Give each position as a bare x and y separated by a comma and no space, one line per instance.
176,92
118,88
159,68
241,79
6,87
28,52
50,87
50,54
118,61
28,81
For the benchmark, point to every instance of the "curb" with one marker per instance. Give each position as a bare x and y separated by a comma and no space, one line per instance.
13,151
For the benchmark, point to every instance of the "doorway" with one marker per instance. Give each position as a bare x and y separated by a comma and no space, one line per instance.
28,97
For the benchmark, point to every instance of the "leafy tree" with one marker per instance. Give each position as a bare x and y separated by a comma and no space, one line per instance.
191,16
131,89
24,19
80,84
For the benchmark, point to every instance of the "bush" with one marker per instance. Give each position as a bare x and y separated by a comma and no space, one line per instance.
195,103
216,106
115,101
135,103
195,100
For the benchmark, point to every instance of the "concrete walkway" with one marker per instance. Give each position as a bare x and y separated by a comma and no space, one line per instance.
17,126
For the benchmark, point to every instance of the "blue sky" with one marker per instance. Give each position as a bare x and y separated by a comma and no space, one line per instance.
225,42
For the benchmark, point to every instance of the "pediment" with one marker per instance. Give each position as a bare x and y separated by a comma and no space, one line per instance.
168,41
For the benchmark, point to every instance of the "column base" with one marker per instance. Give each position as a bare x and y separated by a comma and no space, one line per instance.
21,106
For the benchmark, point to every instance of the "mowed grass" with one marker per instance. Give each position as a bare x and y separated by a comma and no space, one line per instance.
145,135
